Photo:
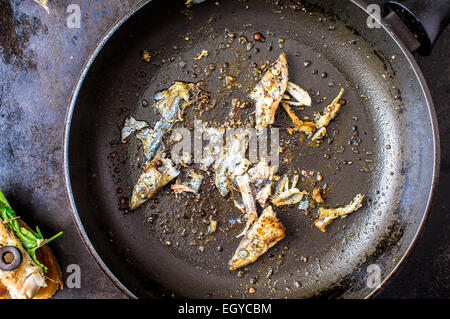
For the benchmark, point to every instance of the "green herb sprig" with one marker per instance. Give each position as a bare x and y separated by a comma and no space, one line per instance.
31,240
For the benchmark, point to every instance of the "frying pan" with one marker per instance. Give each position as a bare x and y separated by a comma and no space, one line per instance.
384,143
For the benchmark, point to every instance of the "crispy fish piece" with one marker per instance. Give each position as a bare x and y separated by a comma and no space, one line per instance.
156,175
264,234
327,215
285,195
330,112
254,186
269,92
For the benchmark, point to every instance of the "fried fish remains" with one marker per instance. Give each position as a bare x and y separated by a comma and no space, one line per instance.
156,175
285,195
261,176
231,162
305,127
264,234
248,200
330,112
269,92
301,96
327,215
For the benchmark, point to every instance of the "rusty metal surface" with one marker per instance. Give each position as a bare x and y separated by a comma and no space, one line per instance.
40,59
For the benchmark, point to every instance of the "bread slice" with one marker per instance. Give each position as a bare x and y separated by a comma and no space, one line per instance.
53,277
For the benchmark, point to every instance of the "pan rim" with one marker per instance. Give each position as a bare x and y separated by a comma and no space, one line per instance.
105,38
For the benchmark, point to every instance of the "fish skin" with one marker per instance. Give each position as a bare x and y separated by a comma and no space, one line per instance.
299,94
151,138
169,102
154,177
231,162
130,126
268,93
191,184
265,232
261,178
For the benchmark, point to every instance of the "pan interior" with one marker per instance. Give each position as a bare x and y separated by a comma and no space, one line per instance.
163,248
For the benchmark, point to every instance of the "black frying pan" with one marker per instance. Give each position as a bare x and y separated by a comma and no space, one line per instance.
384,143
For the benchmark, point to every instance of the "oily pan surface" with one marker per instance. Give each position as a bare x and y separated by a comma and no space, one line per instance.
162,247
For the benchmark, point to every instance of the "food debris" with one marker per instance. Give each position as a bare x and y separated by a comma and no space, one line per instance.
239,103
317,195
327,215
258,36
330,112
146,55
202,54
212,226
299,125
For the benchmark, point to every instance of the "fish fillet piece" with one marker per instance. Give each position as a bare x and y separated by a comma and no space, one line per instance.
156,175
327,215
25,281
269,92
151,138
214,148
171,104
264,234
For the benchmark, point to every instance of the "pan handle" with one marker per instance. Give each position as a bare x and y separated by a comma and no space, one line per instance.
417,22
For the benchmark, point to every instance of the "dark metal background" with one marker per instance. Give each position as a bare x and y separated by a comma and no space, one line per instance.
41,59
